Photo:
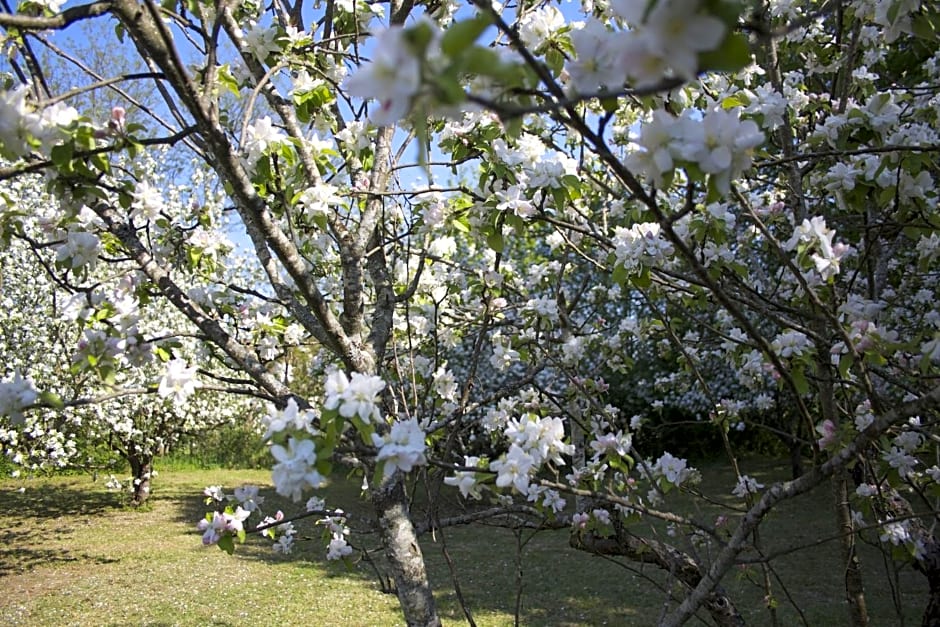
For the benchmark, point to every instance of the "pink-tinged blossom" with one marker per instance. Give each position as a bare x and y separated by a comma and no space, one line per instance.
580,520
222,523
827,432
393,77
178,381
617,444
402,447
118,118
212,529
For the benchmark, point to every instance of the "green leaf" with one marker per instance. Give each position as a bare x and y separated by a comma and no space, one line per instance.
62,154
461,224
799,381
642,280
227,543
731,102
924,28
485,61
324,466
560,196
555,61
418,37
845,362
619,275
495,241
733,54
461,35
52,399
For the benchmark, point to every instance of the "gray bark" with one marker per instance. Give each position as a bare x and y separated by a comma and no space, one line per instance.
403,552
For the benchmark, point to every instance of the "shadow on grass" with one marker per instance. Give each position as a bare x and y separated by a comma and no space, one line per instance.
560,586
34,509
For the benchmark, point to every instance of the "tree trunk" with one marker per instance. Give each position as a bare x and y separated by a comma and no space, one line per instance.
854,590
141,471
930,567
403,553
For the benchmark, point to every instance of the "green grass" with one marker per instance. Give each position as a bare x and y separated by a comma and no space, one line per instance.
73,554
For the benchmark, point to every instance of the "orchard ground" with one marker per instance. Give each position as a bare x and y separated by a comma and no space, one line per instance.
73,554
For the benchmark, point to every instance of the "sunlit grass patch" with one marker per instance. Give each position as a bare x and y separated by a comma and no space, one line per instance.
73,553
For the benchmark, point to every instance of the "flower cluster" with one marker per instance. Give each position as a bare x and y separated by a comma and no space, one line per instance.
814,235
534,440
640,245
294,471
21,126
335,525
466,480
717,142
401,448
16,393
674,470
178,381
393,77
746,485
290,418
664,41
217,524
358,396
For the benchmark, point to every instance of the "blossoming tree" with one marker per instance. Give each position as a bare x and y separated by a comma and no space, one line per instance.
470,213
106,374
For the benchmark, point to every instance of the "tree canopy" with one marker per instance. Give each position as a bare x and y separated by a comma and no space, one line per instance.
487,245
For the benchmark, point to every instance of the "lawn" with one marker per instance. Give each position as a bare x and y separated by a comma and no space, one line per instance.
73,554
